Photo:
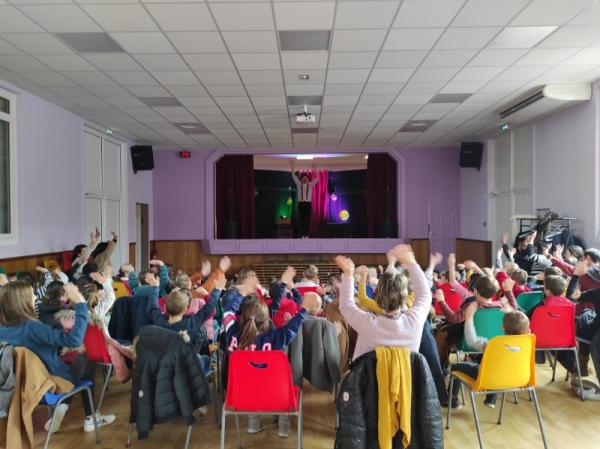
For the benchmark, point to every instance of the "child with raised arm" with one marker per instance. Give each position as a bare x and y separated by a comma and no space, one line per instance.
396,327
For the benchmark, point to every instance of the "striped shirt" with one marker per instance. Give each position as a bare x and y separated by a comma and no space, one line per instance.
304,189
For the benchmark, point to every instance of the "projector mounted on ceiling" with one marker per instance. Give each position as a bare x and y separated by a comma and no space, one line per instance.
305,117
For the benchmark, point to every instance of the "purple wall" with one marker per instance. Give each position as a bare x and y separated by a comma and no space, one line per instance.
180,187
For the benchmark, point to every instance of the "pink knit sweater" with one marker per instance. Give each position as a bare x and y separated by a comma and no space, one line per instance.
403,330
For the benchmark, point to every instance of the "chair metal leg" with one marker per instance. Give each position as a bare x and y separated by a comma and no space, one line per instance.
452,380
462,393
223,417
476,417
554,366
578,373
108,373
299,424
47,442
91,399
502,408
516,398
237,428
187,437
130,431
539,416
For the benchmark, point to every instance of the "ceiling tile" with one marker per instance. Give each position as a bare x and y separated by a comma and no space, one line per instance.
456,87
47,78
265,90
549,12
448,58
37,43
256,61
144,42
399,59
340,100
304,89
161,62
197,102
188,91
585,56
466,38
209,61
501,86
422,88
113,62
521,73
116,17
60,18
304,15
304,60
90,42
372,14
215,77
352,59
243,16
412,39
545,56
497,57
571,36
347,76
175,77
344,89
357,40
268,77
197,42
412,99
520,37
111,93
427,13
14,21
431,74
7,49
182,17
477,13
133,78
252,41
478,73
66,63
90,78
377,99
390,75
567,73
589,16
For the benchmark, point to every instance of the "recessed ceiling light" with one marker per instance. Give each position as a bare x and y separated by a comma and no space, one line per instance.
160,101
416,126
303,100
90,42
313,40
304,76
449,98
521,37
193,128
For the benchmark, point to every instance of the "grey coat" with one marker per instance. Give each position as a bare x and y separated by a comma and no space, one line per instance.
7,379
315,354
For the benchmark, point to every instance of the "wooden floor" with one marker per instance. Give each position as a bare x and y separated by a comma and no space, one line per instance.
569,423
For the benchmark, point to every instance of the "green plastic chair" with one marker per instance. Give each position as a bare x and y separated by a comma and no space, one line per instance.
488,324
529,300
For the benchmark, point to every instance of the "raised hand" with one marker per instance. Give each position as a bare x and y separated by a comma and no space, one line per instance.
73,294
114,235
452,259
205,269
512,251
288,275
160,263
363,272
345,264
505,238
439,295
152,280
508,285
435,259
99,278
225,264
404,254
41,269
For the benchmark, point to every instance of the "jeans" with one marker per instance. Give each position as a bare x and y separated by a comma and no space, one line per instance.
428,349
470,369
205,362
304,210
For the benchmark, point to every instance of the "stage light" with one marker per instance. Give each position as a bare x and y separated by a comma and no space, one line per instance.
289,201
344,215
333,196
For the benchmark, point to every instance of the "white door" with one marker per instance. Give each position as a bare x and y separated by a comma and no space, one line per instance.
93,214
112,223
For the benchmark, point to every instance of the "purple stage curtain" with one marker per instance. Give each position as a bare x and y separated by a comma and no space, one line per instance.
235,197
382,201
320,203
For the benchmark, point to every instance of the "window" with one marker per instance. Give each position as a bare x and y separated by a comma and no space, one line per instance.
7,166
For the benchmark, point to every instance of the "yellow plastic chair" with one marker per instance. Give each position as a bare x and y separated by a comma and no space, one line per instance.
120,289
508,365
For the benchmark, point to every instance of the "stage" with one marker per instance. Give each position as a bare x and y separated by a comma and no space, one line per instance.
299,246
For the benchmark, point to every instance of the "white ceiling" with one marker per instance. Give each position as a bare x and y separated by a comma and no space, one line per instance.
221,61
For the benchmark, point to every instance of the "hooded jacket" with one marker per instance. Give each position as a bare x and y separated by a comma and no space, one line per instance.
358,414
168,381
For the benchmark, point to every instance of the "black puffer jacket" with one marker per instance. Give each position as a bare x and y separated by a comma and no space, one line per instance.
167,380
357,407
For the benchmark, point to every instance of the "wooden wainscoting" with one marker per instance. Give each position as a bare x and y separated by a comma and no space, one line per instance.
421,249
480,251
28,263
132,253
188,256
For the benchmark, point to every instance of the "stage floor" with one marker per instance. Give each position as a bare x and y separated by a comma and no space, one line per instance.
303,246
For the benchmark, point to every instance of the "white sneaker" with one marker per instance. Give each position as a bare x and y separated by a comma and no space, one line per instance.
101,421
59,414
254,424
284,426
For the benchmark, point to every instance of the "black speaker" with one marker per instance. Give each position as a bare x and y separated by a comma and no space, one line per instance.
470,154
142,158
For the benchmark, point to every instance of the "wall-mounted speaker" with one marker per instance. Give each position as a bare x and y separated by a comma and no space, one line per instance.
471,154
142,158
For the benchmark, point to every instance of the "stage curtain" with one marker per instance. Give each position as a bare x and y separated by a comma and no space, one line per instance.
382,201
320,204
235,197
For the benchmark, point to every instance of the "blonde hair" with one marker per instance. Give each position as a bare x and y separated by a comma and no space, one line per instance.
253,320
392,291
183,282
177,302
16,303
515,322
91,294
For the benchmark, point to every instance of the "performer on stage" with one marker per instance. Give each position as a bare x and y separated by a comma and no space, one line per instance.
304,187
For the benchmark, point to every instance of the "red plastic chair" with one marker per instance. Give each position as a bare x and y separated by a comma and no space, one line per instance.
67,260
95,349
554,328
452,298
260,382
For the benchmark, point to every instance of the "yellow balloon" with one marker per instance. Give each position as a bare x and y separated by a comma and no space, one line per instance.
344,215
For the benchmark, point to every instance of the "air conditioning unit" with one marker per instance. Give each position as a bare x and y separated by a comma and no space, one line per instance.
545,100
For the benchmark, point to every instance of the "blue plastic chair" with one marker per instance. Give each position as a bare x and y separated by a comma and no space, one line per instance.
53,400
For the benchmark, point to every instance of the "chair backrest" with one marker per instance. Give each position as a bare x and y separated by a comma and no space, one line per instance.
120,289
452,298
260,381
528,300
67,260
508,362
488,324
554,326
95,345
